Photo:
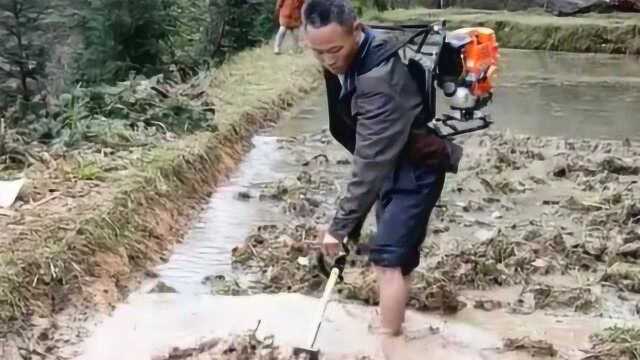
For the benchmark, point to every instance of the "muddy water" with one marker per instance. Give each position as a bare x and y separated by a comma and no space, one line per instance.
152,324
227,220
206,249
568,95
540,94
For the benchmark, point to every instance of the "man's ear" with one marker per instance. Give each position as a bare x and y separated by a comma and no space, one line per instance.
357,26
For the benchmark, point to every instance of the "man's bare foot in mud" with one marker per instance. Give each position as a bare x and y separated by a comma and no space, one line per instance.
394,347
408,332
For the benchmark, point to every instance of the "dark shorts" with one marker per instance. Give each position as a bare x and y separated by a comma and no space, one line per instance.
404,206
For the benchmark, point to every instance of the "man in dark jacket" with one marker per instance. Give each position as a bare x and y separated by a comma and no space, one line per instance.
376,112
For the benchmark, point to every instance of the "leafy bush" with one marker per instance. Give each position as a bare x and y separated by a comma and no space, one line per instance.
122,36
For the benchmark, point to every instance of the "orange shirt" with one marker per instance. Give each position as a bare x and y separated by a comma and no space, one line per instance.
290,13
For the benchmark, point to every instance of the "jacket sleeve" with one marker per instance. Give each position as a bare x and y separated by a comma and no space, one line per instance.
386,103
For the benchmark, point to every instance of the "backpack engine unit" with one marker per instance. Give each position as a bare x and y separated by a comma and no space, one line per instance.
462,63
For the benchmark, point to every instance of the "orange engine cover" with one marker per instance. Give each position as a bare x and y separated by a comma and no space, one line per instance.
480,58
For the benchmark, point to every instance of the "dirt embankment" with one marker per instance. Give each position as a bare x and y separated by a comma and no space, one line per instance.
536,30
80,233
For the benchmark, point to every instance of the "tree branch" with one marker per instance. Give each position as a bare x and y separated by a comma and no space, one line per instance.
11,31
9,73
18,6
220,38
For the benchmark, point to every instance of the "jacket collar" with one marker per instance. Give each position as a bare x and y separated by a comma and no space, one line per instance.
349,82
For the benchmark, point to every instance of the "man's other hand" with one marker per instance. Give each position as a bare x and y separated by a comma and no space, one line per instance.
330,245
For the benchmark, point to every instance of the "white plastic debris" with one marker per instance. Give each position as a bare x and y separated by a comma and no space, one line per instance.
9,191
540,263
485,235
304,261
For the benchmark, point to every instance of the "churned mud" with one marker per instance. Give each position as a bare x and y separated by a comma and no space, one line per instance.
529,226
521,209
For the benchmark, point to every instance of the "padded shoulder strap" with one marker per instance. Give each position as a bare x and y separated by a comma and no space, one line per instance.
382,51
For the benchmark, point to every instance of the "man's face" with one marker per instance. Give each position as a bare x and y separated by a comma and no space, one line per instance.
334,46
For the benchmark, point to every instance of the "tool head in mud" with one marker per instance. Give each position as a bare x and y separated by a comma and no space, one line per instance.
339,262
305,354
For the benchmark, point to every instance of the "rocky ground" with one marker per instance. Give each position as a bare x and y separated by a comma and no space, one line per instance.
558,220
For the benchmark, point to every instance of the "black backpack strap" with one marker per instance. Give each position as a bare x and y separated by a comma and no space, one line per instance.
422,30
421,73
386,51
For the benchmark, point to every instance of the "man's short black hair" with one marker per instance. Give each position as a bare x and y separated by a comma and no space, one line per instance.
320,13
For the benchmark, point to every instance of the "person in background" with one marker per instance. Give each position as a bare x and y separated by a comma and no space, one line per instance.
288,13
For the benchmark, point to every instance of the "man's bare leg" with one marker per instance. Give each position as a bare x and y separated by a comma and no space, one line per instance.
394,294
407,284
393,299
377,323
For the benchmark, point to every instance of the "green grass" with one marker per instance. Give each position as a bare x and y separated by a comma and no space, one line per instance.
535,30
617,343
88,171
